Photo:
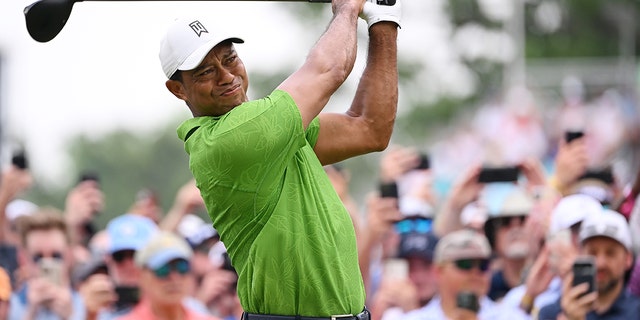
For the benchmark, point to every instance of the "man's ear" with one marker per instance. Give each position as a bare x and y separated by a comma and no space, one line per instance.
176,88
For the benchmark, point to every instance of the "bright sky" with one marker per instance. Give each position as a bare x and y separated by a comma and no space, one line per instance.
102,72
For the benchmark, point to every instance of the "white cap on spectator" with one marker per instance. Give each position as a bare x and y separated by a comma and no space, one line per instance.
571,210
608,223
18,207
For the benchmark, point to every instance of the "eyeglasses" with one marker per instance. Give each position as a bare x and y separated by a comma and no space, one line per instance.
468,264
121,255
180,266
54,255
506,221
419,225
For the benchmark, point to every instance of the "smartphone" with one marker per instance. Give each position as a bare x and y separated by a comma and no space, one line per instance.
499,174
19,159
468,301
572,135
584,271
395,268
127,296
425,162
89,176
386,2
604,175
51,269
389,190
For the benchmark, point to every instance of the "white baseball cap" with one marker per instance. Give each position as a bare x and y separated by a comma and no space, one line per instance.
572,209
187,42
608,223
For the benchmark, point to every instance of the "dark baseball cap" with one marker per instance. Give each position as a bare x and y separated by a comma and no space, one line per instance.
418,244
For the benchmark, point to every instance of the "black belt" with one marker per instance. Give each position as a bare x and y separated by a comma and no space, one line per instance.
364,315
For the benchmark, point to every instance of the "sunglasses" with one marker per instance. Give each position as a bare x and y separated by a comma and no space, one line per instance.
413,225
54,255
506,221
122,255
468,264
180,266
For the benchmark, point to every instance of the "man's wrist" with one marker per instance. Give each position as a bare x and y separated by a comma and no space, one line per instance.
526,303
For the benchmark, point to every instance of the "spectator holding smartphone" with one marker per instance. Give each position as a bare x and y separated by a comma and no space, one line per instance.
607,238
47,294
462,260
165,270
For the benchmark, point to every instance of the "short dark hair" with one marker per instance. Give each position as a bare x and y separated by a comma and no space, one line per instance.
176,76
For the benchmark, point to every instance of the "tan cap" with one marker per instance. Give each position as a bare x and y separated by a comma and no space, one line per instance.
462,244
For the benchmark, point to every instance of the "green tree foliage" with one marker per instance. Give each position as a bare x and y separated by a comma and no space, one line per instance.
126,162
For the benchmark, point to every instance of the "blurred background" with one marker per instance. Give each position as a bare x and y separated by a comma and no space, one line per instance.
480,80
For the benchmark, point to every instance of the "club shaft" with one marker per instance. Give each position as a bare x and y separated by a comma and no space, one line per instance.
316,1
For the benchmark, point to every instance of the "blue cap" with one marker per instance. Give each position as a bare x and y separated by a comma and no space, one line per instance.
130,232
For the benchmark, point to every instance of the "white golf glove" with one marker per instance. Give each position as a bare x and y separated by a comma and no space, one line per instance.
373,13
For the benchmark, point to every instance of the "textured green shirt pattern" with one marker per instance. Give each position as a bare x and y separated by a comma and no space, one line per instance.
288,234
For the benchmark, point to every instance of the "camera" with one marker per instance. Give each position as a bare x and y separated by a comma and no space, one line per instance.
19,159
425,162
468,301
572,135
389,190
499,174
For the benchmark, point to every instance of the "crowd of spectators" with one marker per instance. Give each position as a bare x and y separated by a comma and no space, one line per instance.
484,249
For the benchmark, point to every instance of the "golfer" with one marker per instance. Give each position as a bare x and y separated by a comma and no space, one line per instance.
258,163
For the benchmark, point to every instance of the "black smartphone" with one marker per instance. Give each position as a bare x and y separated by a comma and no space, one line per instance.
389,190
584,271
604,175
468,301
499,174
89,175
19,159
572,135
425,162
127,296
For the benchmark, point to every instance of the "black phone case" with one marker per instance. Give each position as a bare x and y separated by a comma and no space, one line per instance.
501,174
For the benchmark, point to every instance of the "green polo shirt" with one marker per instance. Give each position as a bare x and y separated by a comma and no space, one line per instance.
287,232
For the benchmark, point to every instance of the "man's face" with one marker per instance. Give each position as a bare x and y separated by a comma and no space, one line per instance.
168,284
510,239
50,243
216,86
612,261
421,273
463,275
123,269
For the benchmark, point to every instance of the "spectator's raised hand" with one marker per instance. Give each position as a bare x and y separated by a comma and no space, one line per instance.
397,161
98,293
83,202
539,276
401,293
533,170
571,162
466,189
215,284
381,214
14,181
575,301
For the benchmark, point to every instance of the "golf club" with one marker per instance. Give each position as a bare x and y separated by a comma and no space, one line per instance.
46,18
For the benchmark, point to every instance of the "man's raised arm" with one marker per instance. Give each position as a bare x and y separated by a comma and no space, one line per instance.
368,124
329,62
